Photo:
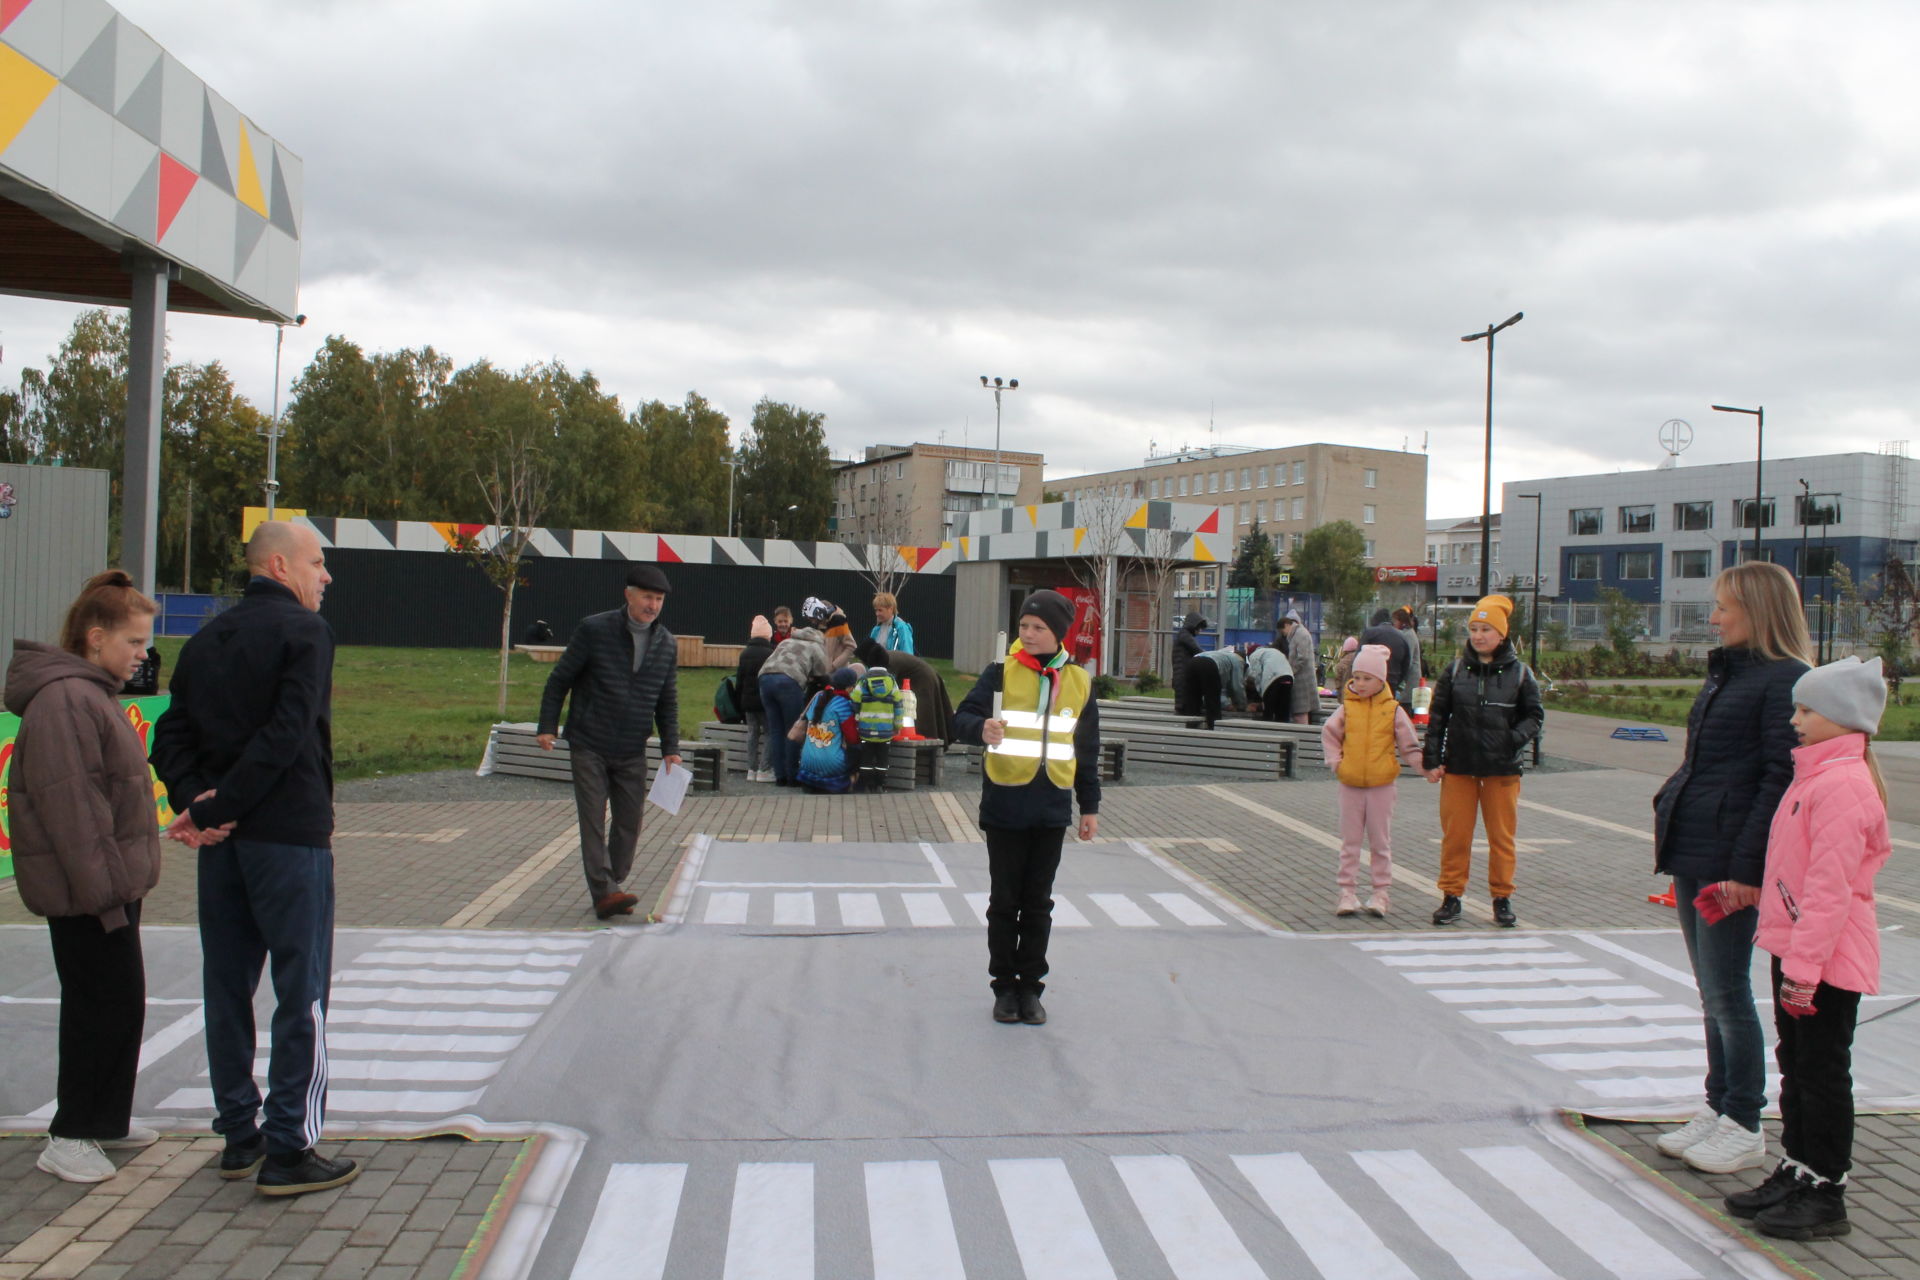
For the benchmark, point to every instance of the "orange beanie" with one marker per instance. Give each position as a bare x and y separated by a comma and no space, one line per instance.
1494,611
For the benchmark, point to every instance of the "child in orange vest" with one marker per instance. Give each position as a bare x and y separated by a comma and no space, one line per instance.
1361,739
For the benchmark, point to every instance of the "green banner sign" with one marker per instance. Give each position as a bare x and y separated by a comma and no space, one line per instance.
141,711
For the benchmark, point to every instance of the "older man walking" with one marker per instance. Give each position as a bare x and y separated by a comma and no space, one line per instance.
620,669
246,749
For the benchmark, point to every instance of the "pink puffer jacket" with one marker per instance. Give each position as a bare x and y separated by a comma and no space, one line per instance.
1829,839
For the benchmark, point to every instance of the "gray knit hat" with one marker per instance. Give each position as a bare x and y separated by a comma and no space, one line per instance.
1851,693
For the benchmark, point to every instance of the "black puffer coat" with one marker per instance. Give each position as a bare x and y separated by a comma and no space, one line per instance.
1484,714
1710,820
613,707
746,676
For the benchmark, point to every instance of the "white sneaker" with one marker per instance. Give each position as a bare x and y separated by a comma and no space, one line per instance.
1695,1130
75,1160
1728,1149
1377,904
138,1136
1349,904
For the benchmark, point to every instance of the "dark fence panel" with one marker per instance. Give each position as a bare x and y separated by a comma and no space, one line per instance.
423,598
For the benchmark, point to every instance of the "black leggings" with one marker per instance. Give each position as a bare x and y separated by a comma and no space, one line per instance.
103,1014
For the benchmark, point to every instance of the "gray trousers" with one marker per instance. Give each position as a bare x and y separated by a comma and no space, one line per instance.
607,855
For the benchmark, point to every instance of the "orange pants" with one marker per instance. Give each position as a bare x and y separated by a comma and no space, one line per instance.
1498,803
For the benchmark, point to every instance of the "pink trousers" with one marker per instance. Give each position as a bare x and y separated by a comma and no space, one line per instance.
1366,811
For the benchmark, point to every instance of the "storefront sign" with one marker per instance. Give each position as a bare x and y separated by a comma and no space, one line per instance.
141,711
1407,573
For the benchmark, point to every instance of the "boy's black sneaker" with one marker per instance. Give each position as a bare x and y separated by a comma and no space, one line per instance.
1810,1212
1779,1185
1006,1007
1503,913
241,1159
1448,911
1032,1012
303,1171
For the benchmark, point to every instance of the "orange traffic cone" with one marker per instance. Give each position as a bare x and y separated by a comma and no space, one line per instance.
1664,899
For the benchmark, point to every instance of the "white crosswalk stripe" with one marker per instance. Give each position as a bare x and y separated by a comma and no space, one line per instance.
1546,999
797,908
477,998
1494,1213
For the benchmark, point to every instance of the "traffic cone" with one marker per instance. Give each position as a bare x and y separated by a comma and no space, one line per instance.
1664,899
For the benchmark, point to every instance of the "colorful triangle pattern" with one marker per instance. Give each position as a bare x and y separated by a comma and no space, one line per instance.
176,184
23,87
246,187
11,9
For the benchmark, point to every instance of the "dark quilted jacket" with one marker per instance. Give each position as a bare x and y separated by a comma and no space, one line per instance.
1483,715
614,706
1710,820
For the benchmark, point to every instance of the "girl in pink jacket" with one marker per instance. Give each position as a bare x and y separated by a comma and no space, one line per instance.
1828,840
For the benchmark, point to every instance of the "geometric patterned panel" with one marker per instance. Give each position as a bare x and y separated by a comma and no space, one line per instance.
86,101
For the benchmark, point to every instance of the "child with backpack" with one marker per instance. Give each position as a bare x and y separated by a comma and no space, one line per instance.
880,711
1485,710
1365,740
746,676
1828,840
828,734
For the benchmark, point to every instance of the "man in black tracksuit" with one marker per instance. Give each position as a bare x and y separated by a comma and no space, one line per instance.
1043,753
621,670
246,752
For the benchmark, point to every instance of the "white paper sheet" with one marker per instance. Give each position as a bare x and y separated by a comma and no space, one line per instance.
670,787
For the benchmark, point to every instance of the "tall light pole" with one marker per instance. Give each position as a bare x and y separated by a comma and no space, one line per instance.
1486,478
1759,456
1011,384
1806,509
733,465
1533,615
274,429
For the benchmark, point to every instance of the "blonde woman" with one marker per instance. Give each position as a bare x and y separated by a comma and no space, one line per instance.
1710,834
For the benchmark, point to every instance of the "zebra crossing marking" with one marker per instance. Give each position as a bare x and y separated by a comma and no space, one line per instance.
792,909
923,909
1187,911
1442,977
1122,910
927,910
1474,1212
862,910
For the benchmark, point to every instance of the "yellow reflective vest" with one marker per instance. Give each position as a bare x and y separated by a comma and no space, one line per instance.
1036,732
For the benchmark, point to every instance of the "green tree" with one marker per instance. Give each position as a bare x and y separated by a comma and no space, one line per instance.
212,461
595,458
76,409
1622,618
15,444
1332,560
784,464
362,436
686,450
1256,564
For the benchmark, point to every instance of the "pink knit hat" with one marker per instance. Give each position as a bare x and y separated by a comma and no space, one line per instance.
1371,661
1350,644
760,629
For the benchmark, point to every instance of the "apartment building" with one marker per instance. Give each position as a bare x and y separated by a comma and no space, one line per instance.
1453,547
918,494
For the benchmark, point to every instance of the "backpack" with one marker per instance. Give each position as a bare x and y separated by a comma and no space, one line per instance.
726,701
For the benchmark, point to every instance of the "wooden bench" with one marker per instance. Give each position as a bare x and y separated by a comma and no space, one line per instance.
1219,750
910,764
516,750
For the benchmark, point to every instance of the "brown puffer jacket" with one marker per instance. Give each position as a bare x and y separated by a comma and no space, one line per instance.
86,840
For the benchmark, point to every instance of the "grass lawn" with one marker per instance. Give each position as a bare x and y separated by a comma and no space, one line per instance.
416,710
1670,705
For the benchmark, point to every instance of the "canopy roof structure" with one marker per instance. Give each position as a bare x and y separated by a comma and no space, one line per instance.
111,150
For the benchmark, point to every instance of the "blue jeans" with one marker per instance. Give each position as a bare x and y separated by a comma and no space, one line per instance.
1722,959
785,702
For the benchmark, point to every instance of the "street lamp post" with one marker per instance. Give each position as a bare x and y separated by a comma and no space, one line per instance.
996,386
733,466
1533,614
1759,456
1806,510
1486,478
274,429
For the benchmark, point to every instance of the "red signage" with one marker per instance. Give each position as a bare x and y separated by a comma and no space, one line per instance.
1407,573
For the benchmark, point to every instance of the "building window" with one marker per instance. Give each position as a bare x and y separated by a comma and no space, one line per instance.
1183,486
1692,516
1369,551
1584,522
1299,473
1229,484
1246,477
1213,482
1822,509
1239,513
1433,554
1636,566
1747,513
1636,519
1690,616
1583,566
1818,562
1746,553
1260,511
1373,477
1693,564
1368,512
1153,488
1299,508
1299,540
1263,477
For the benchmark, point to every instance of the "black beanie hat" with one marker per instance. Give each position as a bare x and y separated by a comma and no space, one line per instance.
1053,609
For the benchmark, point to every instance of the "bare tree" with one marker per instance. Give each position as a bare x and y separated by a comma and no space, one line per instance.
884,531
1103,517
1160,555
516,496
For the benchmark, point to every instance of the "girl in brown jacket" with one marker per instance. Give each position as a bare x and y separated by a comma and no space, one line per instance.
86,850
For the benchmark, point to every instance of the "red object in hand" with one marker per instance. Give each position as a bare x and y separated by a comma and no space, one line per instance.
1796,998
1711,903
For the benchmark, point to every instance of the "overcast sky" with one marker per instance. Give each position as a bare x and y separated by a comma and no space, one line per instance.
1280,217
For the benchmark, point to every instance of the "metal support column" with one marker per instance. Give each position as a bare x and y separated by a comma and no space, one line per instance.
146,367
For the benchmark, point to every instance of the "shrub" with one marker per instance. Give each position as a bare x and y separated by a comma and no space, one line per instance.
1147,681
1105,686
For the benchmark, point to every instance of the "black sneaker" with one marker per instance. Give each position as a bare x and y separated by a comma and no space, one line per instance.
1448,911
303,1171
1779,1185
1810,1212
1503,913
1032,1012
1006,1007
242,1159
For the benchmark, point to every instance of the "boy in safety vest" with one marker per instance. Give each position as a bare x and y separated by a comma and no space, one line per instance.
1036,716
1360,740
877,710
